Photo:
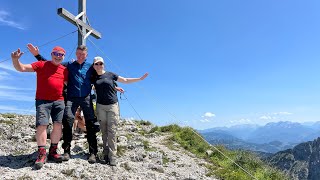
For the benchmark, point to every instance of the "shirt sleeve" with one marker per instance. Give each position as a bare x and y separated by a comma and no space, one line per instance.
36,66
115,76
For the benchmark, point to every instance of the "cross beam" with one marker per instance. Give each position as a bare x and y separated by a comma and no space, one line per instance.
80,21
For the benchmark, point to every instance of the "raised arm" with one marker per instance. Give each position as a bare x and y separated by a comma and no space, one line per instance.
15,56
35,51
131,80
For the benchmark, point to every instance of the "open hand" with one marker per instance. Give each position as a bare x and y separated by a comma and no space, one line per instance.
33,49
144,76
120,89
16,54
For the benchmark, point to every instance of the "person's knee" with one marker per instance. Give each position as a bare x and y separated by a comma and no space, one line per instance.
57,125
41,127
68,117
93,125
68,121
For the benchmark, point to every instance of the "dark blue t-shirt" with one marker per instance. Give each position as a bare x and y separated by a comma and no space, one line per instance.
104,85
79,82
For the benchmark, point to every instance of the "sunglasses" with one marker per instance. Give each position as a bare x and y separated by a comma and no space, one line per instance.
58,54
98,64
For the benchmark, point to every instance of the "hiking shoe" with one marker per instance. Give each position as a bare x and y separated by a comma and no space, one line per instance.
66,149
113,161
53,155
66,156
41,159
92,159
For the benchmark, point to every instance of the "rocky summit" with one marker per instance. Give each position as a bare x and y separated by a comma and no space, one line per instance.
141,155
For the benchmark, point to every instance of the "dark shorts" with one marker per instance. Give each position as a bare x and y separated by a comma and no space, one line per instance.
46,108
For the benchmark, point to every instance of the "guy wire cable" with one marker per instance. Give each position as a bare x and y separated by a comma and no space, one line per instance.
29,109
171,115
27,51
70,54
131,105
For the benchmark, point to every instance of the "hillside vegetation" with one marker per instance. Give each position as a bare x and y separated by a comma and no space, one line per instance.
221,167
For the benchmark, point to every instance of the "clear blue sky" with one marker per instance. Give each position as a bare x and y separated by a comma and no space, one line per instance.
211,63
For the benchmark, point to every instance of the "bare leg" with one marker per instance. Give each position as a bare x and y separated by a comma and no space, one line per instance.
75,126
56,133
41,135
55,138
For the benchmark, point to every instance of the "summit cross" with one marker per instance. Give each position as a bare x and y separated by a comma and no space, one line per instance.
80,21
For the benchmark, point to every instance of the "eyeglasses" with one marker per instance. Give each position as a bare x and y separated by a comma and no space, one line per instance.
98,64
57,54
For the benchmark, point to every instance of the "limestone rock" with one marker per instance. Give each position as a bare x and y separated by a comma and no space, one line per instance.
139,156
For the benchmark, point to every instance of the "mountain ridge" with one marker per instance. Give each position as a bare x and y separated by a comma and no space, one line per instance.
302,162
272,137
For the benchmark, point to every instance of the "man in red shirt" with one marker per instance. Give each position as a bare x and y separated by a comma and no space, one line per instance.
51,76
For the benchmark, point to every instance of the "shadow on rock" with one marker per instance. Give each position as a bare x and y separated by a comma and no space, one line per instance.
18,161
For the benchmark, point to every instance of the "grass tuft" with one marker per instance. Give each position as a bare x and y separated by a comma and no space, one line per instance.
121,150
8,115
143,123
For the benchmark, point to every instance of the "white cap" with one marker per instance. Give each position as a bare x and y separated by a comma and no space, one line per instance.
98,59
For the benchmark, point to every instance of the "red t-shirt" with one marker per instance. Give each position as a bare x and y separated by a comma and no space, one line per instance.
50,79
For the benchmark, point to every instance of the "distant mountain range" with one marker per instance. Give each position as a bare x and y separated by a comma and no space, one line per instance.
271,138
301,162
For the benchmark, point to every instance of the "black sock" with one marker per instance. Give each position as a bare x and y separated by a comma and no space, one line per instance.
41,147
53,145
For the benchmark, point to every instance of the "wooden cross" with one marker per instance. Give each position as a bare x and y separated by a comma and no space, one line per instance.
80,21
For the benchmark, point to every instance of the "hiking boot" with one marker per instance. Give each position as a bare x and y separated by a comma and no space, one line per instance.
66,156
92,159
41,159
112,161
53,155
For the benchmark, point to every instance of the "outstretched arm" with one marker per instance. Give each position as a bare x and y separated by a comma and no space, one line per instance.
35,51
15,56
131,80
120,89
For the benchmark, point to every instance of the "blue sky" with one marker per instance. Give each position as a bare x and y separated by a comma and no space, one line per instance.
211,63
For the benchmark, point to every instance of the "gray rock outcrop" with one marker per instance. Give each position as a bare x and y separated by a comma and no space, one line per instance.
300,163
140,156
